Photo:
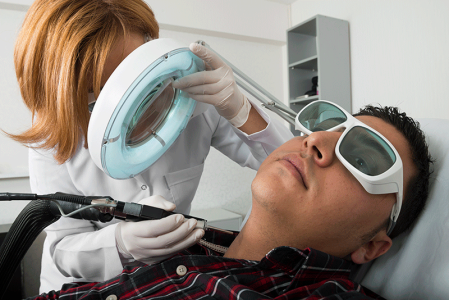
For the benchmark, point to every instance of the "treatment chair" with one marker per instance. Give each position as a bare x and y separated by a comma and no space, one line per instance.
417,265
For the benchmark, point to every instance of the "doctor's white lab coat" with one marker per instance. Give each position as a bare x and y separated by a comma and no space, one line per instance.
80,250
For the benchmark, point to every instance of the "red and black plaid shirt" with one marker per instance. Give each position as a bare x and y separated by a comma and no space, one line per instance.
284,273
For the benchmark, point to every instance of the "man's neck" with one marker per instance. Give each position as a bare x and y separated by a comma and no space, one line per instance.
251,244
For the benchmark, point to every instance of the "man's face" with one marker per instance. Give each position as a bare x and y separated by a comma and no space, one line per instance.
308,198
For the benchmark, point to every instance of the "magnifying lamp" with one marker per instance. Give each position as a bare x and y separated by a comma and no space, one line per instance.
139,115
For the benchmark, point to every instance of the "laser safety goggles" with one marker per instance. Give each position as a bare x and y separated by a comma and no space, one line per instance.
368,155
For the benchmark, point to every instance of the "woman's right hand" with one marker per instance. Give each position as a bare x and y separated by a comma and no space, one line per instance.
152,241
217,86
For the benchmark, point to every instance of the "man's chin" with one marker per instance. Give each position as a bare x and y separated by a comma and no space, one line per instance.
263,194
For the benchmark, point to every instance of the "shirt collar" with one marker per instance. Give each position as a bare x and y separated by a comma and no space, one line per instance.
308,264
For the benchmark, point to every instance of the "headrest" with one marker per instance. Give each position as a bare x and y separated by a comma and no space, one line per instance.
417,265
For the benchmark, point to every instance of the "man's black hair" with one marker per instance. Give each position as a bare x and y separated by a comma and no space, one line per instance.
415,194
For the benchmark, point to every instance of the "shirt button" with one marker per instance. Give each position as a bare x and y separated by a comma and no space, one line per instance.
144,187
111,297
181,270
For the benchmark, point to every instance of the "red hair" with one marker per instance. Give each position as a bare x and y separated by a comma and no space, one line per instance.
59,56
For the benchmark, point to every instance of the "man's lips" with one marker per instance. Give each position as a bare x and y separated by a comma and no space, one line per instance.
296,167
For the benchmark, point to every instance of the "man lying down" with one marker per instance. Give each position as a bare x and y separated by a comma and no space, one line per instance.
322,203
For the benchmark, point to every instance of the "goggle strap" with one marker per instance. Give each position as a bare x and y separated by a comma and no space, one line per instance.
391,227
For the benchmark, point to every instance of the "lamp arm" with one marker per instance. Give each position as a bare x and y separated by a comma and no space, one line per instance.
255,90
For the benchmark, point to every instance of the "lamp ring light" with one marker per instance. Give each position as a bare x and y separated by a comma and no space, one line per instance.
129,128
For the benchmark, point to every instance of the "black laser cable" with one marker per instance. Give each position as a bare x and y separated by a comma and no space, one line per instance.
128,211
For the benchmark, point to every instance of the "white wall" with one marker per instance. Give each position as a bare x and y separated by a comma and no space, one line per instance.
255,20
250,34
399,51
14,117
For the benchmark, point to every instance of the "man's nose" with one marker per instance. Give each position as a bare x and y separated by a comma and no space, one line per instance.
321,146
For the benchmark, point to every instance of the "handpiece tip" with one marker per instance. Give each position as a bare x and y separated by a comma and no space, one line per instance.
201,224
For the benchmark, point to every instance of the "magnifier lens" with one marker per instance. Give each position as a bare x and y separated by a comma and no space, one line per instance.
139,115
151,113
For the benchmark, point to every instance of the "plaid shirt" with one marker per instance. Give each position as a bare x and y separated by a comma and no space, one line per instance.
199,272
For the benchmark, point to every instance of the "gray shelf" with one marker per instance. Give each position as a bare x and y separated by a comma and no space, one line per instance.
319,47
310,63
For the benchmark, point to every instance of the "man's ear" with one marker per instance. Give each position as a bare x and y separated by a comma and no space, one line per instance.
377,246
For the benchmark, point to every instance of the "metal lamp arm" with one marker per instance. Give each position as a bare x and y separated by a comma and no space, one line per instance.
254,89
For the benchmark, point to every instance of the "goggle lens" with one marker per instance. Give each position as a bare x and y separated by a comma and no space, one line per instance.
366,151
321,117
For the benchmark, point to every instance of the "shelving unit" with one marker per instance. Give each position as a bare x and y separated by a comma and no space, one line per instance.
319,47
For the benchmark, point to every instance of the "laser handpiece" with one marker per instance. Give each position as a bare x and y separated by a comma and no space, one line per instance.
137,212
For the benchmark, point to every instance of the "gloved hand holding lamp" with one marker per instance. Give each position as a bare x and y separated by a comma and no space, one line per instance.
217,86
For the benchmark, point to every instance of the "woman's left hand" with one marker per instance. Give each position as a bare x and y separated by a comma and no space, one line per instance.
216,86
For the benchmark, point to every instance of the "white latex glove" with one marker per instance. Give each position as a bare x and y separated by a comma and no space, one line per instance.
155,240
216,86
